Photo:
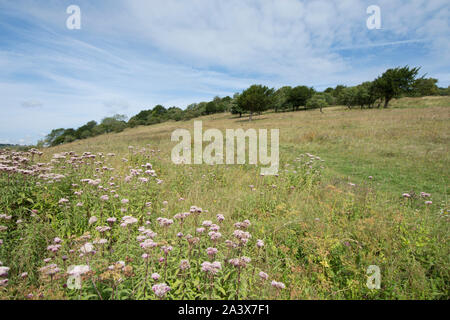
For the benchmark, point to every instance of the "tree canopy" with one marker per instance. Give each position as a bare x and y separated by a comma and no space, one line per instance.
299,95
394,82
257,98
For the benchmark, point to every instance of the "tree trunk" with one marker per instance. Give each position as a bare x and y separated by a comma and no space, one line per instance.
386,102
250,117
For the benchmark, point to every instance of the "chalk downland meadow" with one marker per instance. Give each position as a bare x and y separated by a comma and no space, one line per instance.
355,188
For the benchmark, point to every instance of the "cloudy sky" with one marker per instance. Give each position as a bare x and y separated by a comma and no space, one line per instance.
131,55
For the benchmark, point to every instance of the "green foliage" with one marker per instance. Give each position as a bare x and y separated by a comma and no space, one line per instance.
329,98
235,108
444,91
85,131
425,87
299,95
317,101
281,98
393,82
225,104
366,94
257,98
53,137
347,97
115,123
140,118
210,108
337,91
158,111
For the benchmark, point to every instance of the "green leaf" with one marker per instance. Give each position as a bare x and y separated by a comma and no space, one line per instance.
222,291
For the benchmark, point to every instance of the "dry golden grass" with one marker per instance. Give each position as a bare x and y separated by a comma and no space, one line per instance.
406,147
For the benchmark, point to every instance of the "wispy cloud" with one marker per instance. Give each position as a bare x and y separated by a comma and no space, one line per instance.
31,104
382,44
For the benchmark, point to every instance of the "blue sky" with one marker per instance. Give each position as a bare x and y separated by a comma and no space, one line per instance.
131,55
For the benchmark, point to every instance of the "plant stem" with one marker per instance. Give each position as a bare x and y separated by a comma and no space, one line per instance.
239,282
146,274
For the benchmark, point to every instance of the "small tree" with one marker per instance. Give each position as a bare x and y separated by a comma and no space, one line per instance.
366,94
337,91
175,113
225,104
425,87
159,111
394,82
329,90
317,101
211,107
281,98
299,95
115,123
235,108
444,91
201,108
40,144
328,98
140,118
52,137
257,98
347,97
85,130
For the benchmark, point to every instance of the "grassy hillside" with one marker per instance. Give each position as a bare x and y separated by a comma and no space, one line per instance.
406,150
323,220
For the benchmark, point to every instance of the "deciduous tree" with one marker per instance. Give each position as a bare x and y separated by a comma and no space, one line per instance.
257,98
394,82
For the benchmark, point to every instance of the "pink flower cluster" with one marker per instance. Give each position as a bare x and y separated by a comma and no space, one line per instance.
240,262
164,222
211,267
161,289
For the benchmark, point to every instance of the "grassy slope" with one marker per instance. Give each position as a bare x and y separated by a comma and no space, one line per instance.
323,234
